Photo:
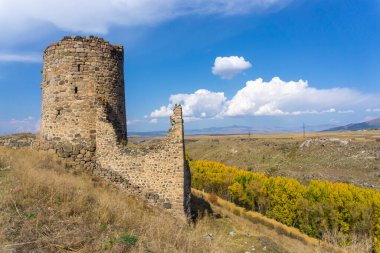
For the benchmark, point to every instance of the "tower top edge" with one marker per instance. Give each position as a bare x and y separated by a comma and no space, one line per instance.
84,40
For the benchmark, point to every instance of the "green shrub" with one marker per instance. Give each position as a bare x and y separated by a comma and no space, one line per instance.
126,239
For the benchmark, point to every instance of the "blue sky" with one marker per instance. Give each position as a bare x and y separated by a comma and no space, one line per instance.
260,63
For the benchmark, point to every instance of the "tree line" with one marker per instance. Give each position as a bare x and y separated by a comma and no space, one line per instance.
317,208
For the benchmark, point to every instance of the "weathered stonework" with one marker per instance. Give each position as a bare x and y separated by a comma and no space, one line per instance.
83,119
16,141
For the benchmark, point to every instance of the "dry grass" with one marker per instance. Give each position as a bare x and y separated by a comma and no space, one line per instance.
291,238
47,207
280,155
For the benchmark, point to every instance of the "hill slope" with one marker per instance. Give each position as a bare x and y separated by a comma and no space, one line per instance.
47,207
357,163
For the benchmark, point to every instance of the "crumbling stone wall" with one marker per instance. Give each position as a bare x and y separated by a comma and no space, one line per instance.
159,173
83,119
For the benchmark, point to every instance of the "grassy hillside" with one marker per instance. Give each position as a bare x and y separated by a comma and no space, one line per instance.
357,162
47,207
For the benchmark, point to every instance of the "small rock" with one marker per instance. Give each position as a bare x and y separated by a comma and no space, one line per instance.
265,248
209,237
67,147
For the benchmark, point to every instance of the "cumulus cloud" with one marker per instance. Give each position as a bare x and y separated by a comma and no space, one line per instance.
228,67
200,104
163,111
88,16
26,57
26,125
273,98
278,97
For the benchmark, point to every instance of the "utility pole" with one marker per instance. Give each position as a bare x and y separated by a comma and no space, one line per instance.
303,127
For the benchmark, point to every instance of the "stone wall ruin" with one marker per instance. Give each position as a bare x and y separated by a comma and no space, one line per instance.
83,119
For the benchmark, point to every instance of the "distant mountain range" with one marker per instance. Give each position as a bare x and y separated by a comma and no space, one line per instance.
367,125
235,129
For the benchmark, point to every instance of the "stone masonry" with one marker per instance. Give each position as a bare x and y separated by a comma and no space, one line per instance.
83,119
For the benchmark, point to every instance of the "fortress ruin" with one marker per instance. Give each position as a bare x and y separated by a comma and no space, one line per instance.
83,119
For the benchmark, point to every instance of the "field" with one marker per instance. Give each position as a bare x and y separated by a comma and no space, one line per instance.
352,157
48,207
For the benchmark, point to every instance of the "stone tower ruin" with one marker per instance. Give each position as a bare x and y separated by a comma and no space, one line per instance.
76,71
83,119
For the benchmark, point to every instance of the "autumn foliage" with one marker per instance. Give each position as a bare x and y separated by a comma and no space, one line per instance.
318,208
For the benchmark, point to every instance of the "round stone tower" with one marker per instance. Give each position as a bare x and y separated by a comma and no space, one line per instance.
77,72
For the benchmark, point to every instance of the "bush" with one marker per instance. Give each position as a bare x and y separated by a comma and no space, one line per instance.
213,198
128,240
236,212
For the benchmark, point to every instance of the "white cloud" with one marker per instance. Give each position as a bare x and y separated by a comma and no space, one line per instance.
153,121
228,67
27,57
28,124
201,103
373,110
273,98
164,111
346,111
23,17
190,119
278,97
132,122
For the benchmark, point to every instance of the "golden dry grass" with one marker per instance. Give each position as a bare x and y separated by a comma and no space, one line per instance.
47,207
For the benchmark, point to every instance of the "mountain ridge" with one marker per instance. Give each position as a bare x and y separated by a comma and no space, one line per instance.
366,125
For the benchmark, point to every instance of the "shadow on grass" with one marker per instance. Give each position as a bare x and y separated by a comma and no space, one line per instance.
199,208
